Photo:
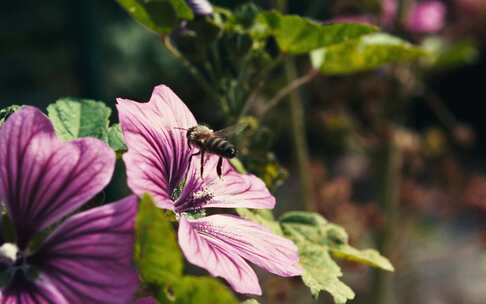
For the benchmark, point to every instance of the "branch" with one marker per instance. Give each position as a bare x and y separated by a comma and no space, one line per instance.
190,67
295,84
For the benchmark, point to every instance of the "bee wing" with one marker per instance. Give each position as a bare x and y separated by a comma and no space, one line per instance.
231,130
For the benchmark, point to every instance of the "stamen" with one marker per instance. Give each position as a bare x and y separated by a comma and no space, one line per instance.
8,253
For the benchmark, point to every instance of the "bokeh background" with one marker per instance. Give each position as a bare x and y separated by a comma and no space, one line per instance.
92,49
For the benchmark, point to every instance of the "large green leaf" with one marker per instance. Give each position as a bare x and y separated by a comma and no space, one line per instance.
297,35
74,118
364,53
160,16
317,239
157,254
322,273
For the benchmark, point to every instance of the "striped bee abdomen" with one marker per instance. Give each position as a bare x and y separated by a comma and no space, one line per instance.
221,147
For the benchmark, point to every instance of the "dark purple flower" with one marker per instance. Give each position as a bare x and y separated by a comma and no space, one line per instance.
426,17
157,162
88,257
201,7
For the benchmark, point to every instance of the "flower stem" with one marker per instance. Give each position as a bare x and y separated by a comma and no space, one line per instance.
289,89
388,164
299,134
191,68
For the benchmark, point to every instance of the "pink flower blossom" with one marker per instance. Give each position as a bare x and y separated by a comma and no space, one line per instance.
88,257
426,17
157,162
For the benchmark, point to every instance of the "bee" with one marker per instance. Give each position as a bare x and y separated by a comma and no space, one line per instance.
214,142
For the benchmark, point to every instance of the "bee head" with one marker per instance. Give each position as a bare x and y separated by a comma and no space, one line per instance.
191,133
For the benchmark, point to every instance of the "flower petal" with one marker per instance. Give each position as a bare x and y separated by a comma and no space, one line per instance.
26,292
217,257
89,257
207,241
158,153
41,178
235,190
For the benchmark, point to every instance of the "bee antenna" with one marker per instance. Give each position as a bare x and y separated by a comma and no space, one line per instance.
180,128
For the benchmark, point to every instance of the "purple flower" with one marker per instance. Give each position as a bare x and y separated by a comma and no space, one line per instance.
200,7
157,162
88,257
426,17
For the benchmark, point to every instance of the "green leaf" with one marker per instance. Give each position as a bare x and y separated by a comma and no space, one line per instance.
263,217
73,118
447,55
160,16
297,35
317,239
7,111
250,301
157,254
368,257
115,138
192,289
322,273
364,53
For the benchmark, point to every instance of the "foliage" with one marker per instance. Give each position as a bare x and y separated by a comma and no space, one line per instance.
6,112
74,118
298,35
318,241
160,16
365,53
446,54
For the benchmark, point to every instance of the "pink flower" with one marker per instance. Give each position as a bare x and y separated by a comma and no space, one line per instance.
157,162
88,257
426,17
388,12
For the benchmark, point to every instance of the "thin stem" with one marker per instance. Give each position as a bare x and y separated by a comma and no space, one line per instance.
261,79
190,67
289,89
299,136
388,164
440,110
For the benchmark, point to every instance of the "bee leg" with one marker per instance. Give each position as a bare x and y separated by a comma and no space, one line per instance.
190,160
202,163
219,167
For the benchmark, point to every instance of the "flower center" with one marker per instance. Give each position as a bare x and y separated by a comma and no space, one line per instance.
190,199
13,265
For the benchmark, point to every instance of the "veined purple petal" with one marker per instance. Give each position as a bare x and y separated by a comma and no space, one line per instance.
41,178
219,242
218,258
235,190
232,190
89,257
42,291
158,153
146,300
200,7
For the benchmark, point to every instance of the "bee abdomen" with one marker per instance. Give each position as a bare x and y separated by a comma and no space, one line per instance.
221,147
